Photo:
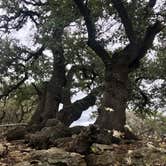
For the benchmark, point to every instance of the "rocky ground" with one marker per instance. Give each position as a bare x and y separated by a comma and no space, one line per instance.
138,153
81,146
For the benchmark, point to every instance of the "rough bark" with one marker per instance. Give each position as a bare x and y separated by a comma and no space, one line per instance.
51,92
57,81
112,114
36,117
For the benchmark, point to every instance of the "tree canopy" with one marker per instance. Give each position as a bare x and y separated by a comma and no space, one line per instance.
91,35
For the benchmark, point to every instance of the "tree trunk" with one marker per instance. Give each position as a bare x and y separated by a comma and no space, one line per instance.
112,114
36,117
57,81
74,111
50,97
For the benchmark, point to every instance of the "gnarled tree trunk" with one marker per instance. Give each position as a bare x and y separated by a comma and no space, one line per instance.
50,96
57,90
112,114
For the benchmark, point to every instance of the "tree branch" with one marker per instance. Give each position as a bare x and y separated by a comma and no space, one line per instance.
92,42
147,41
142,93
36,54
34,3
76,68
126,21
73,112
13,125
152,3
21,16
14,87
144,97
39,93
32,55
66,97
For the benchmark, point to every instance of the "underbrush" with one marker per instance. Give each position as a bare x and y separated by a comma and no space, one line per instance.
152,127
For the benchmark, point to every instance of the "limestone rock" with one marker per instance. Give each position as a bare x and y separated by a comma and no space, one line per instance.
26,163
100,148
53,122
62,142
76,129
55,132
38,140
42,139
103,156
3,150
54,156
16,134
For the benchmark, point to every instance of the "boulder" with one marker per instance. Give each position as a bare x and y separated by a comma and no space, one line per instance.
62,142
53,122
89,135
42,139
76,129
16,133
100,148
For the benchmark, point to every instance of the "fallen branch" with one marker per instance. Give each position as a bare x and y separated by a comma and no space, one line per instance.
13,125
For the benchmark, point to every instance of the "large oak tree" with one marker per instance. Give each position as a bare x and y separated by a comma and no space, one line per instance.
140,33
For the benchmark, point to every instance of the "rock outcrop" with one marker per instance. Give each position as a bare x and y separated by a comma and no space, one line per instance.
137,153
54,156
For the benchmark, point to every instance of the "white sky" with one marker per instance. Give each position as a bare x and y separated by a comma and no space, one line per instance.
85,119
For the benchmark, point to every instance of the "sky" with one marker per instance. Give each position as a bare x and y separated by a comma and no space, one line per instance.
85,119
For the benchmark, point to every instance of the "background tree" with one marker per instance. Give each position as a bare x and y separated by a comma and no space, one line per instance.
50,19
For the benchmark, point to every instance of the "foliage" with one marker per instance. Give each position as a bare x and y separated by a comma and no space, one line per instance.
20,106
150,127
48,15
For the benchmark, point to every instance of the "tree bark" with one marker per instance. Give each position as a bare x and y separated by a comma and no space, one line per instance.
36,117
57,81
112,114
50,96
57,91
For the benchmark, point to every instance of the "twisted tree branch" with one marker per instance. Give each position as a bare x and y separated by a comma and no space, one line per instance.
147,41
152,3
35,3
14,87
92,42
74,111
126,21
